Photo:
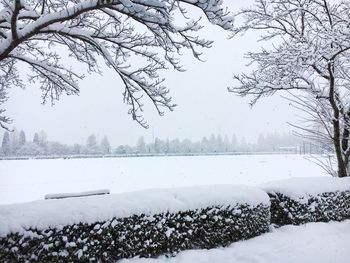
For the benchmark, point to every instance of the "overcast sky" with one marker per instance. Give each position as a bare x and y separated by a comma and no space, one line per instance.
204,104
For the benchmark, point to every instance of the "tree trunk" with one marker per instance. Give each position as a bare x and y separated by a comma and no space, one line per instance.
337,140
345,139
342,165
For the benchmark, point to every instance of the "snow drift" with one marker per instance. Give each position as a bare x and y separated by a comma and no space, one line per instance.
145,223
302,200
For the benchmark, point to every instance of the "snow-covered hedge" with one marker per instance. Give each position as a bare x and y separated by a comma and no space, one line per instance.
147,223
302,200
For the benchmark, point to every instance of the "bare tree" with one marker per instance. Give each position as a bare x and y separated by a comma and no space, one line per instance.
315,125
34,32
310,56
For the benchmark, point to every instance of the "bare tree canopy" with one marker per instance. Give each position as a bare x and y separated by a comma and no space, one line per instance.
310,54
116,30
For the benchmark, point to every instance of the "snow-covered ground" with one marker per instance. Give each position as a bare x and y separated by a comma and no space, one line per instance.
28,180
309,243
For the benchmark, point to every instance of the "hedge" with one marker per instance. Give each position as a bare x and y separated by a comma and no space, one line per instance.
303,200
155,222
144,235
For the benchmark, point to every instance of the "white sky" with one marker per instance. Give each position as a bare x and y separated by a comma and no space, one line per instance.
204,105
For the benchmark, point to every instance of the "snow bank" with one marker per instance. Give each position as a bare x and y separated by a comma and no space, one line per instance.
146,224
55,213
312,242
302,200
300,189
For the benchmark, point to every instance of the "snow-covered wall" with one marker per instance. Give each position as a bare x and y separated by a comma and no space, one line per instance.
163,221
303,200
145,223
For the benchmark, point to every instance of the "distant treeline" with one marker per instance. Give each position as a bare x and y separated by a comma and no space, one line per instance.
271,142
17,144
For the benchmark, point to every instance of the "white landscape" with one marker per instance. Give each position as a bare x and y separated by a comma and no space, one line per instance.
305,243
29,180
206,131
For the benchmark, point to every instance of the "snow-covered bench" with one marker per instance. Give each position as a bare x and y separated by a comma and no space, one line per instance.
302,200
146,223
80,194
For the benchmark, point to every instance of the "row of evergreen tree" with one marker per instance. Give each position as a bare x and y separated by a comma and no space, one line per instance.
271,142
15,143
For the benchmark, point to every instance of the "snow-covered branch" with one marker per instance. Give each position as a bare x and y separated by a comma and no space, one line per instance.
116,30
310,54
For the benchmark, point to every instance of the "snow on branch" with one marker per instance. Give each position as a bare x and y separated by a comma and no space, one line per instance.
310,54
119,31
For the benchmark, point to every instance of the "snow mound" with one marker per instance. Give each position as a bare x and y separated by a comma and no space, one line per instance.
312,242
302,188
40,215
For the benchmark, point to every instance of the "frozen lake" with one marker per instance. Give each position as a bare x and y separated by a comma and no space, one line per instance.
28,180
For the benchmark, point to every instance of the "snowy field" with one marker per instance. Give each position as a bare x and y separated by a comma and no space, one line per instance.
309,243
28,180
